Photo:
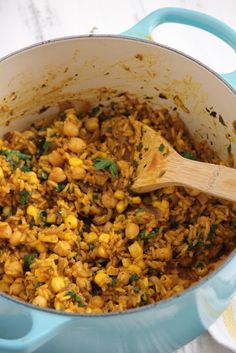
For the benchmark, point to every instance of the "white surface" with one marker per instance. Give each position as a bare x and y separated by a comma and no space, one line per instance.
24,22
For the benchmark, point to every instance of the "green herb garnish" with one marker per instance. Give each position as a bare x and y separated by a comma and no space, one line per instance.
24,195
43,175
43,145
43,216
141,209
14,158
61,187
114,281
152,234
212,231
161,147
134,277
189,155
136,289
107,164
28,260
76,298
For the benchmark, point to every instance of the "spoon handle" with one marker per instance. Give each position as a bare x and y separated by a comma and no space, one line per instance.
212,179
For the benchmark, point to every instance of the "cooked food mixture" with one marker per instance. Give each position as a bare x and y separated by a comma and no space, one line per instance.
74,237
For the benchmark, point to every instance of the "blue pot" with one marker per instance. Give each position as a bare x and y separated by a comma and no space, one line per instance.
169,324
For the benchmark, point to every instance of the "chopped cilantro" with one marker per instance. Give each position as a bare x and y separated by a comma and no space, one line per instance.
107,164
114,280
43,145
212,231
24,195
141,209
15,157
28,260
161,147
134,277
189,155
43,216
136,289
150,235
61,187
26,168
43,175
75,297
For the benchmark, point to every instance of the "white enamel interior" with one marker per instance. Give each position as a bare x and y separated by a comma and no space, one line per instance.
75,68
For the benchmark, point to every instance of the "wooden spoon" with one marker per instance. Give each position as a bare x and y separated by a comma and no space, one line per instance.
159,165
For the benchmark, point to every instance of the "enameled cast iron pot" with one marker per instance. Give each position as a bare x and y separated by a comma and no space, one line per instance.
56,70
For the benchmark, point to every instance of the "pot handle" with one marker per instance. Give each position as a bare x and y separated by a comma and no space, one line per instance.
197,19
44,327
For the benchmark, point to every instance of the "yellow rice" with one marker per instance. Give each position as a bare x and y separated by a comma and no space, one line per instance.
74,237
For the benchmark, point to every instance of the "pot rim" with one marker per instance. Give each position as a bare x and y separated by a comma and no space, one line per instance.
164,302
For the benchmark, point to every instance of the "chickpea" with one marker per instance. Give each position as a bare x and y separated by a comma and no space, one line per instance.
123,278
14,268
62,248
16,238
97,301
109,200
57,284
92,124
5,230
82,283
16,288
70,129
57,175
76,145
78,173
56,159
40,301
131,230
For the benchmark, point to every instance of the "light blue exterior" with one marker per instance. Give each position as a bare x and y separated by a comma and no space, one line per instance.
144,28
159,328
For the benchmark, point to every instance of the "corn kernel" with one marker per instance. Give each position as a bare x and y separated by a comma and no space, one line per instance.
75,162
88,310
57,284
102,279
90,237
40,247
179,288
169,189
121,206
32,178
141,264
71,221
119,194
70,113
146,121
126,262
52,183
134,269
144,282
69,236
102,252
136,200
165,204
104,237
32,211
51,218
1,173
48,238
135,250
